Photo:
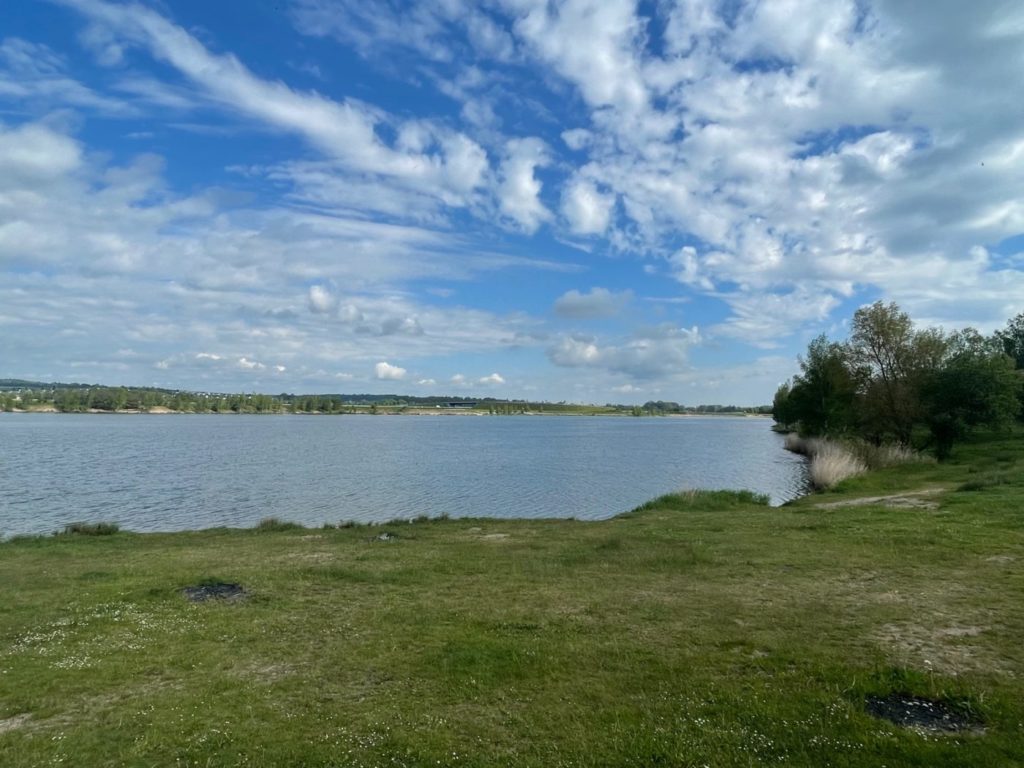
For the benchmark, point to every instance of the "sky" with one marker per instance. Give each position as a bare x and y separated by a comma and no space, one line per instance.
582,200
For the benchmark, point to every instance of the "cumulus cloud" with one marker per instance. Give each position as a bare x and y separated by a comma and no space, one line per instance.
599,302
34,152
519,190
782,159
587,210
387,372
321,300
652,352
494,378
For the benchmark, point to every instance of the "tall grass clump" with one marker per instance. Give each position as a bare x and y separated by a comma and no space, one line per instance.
796,444
276,524
829,462
91,529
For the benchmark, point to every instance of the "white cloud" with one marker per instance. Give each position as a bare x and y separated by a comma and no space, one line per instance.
494,378
321,299
762,319
519,189
34,152
651,353
426,382
587,210
387,372
599,302
445,165
592,44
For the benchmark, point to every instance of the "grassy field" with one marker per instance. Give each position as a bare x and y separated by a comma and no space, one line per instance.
702,629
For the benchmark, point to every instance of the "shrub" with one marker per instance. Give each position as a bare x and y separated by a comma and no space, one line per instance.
91,529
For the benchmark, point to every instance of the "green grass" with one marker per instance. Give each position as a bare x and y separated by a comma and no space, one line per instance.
700,629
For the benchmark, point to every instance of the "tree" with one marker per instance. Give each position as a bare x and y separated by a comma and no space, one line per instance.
783,410
892,360
823,395
1011,339
976,386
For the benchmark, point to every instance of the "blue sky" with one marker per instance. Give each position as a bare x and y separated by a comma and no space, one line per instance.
588,200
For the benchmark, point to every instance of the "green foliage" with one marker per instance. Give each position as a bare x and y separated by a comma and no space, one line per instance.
974,387
823,394
890,382
1011,339
889,358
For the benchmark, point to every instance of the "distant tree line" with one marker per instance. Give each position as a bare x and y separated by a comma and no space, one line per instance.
893,382
665,407
16,394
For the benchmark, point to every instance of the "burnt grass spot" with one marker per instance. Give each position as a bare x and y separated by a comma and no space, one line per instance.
214,590
932,715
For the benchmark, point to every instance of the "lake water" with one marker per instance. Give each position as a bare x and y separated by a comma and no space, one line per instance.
175,472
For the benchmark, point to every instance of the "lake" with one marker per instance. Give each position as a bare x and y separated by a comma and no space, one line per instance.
177,472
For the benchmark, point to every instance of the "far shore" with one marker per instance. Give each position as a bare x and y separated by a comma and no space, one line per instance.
365,411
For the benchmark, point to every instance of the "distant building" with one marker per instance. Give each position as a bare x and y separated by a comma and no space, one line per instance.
461,404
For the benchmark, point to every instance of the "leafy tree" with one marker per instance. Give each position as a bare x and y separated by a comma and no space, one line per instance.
891,360
783,406
976,386
823,394
1011,339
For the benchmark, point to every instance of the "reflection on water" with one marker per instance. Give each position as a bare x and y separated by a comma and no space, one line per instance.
165,473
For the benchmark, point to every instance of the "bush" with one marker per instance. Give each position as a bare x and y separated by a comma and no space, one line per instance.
91,529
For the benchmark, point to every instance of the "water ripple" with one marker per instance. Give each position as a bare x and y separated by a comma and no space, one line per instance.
182,472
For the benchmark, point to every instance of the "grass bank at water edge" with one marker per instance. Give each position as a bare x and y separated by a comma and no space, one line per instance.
700,629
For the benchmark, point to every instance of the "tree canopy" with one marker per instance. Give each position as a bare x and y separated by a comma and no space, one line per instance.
891,381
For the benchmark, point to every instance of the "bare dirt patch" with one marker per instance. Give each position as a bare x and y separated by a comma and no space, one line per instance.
12,723
931,716
948,650
910,500
1001,559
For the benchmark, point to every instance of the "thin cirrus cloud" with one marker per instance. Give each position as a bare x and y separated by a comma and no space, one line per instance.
483,180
